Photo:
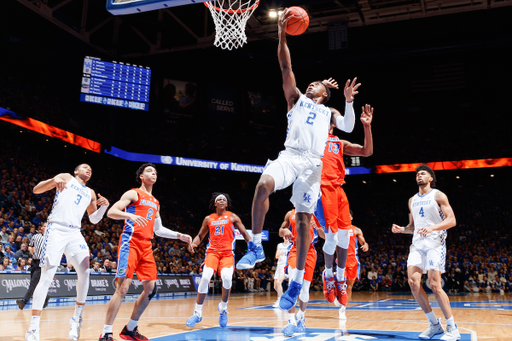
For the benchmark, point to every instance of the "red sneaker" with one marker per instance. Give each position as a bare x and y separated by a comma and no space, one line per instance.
329,288
341,293
132,335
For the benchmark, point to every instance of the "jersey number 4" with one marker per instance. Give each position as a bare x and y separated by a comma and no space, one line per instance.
422,214
219,230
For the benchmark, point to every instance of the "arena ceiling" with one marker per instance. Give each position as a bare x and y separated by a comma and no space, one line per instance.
191,27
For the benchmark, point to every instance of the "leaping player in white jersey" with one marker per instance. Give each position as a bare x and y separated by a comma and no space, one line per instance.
300,163
281,256
63,235
430,216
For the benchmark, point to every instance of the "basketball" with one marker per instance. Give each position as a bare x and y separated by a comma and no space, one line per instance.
299,23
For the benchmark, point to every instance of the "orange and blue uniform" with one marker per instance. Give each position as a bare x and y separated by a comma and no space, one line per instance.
311,257
135,251
352,268
221,242
332,209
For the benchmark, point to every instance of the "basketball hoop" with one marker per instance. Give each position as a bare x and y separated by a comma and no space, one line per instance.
230,18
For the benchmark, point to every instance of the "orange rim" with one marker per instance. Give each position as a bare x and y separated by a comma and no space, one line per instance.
207,4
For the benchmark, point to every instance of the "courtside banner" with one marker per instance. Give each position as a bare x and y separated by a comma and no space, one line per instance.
15,285
446,165
48,130
209,164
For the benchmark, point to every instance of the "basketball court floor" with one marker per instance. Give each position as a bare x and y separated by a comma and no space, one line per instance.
379,316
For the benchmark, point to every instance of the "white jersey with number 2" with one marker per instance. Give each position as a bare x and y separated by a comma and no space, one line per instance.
426,212
308,126
70,205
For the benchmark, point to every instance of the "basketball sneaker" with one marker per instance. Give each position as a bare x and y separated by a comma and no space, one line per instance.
329,288
290,296
452,334
74,331
32,335
107,337
290,329
125,334
341,313
255,254
432,330
341,291
301,325
21,304
196,318
276,303
223,317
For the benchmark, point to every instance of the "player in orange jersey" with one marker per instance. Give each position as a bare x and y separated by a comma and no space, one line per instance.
220,257
352,267
288,230
333,211
141,213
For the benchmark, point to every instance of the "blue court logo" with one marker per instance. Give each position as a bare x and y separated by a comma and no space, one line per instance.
307,198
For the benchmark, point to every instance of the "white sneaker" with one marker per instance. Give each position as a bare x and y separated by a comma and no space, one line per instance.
32,335
432,330
74,332
452,334
276,303
342,313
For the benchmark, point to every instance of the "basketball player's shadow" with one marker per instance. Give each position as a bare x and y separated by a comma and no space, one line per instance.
176,326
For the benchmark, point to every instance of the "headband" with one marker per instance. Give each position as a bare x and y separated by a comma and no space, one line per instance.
220,196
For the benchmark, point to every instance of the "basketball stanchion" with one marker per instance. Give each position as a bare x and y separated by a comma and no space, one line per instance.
230,18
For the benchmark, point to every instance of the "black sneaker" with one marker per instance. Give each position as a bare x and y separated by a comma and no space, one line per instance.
106,337
46,301
21,304
132,335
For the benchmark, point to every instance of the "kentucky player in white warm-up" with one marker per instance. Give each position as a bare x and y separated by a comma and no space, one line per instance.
300,163
430,216
63,235
281,256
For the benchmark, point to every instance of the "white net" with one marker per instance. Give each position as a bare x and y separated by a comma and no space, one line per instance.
230,18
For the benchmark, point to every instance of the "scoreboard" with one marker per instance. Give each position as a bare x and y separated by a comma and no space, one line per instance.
115,83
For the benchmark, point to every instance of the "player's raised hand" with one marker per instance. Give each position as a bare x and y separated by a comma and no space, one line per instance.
60,183
397,229
424,231
102,201
367,115
351,90
331,83
137,219
283,19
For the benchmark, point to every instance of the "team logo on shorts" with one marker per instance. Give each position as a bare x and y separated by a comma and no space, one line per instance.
307,198
121,271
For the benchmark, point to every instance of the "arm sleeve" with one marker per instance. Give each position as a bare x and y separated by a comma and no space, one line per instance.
347,122
162,231
98,215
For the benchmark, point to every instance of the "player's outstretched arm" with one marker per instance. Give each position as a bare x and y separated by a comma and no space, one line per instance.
354,149
237,222
96,214
164,232
202,232
346,123
59,182
284,230
447,223
360,238
116,212
291,92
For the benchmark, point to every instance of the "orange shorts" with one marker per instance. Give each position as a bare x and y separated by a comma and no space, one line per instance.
218,260
332,210
310,262
352,268
136,255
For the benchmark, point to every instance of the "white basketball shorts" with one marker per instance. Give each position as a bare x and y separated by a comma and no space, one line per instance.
279,271
58,240
304,171
428,259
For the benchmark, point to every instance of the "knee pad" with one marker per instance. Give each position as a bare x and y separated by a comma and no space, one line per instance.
153,293
304,292
331,240
202,288
227,277
343,239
